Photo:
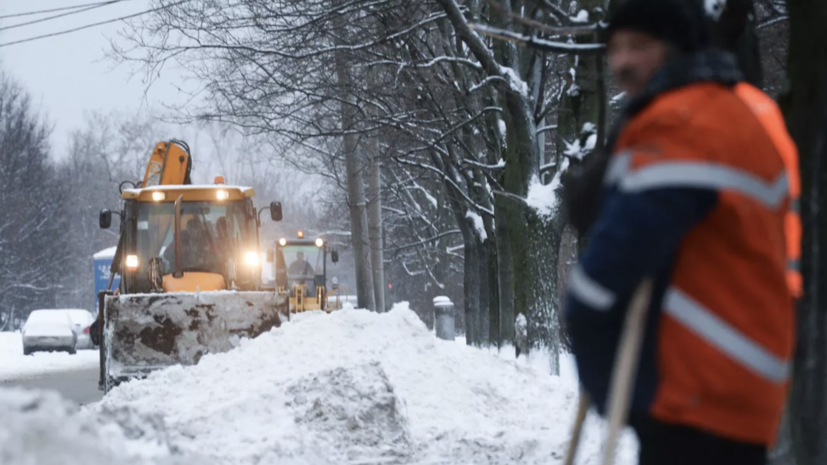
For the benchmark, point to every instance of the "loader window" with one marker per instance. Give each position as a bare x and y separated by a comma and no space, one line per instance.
211,234
304,263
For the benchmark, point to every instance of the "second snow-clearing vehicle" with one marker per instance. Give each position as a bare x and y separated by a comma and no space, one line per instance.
189,260
301,271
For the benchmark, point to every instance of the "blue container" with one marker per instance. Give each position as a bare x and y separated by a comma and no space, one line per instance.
103,260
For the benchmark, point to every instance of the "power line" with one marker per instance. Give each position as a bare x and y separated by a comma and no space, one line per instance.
52,10
69,31
74,12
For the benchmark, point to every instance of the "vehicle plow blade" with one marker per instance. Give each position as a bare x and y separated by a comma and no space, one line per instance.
145,332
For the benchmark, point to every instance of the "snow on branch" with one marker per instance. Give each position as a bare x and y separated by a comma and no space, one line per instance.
538,43
543,197
577,150
500,165
479,225
485,82
426,241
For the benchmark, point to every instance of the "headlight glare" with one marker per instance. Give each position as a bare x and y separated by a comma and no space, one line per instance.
251,259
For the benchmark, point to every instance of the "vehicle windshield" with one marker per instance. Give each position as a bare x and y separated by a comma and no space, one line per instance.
211,233
303,262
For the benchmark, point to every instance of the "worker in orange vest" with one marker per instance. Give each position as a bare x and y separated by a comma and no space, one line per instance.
698,190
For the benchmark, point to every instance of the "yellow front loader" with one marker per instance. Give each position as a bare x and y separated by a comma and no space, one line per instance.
189,260
301,271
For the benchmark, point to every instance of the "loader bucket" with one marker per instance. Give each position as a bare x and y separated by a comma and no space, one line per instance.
146,332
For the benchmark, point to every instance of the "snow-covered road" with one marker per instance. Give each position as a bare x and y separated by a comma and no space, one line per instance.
351,387
14,365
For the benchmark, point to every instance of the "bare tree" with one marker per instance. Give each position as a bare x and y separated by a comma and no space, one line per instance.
33,255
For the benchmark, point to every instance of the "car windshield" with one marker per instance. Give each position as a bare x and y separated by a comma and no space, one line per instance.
211,233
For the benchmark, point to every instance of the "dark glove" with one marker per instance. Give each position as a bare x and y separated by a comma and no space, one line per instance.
583,186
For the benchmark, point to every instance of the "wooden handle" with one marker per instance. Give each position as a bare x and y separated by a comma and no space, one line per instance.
625,368
582,410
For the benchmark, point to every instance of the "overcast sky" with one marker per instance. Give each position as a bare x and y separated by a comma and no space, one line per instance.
69,75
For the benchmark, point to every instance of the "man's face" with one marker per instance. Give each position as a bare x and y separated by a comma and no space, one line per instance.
634,57
300,256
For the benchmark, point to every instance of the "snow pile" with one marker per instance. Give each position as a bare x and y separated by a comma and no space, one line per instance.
38,427
358,387
15,365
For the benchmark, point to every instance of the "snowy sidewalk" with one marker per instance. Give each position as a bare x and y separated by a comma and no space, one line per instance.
14,365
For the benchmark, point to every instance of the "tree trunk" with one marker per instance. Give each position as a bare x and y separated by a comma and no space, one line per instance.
482,306
525,227
805,107
375,226
471,285
505,266
356,193
493,291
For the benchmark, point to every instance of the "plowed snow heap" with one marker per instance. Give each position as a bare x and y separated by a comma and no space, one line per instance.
356,387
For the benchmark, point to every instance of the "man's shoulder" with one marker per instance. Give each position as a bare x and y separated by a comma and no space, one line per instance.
701,104
706,116
705,121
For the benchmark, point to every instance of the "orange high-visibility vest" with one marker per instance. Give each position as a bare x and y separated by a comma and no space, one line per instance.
771,119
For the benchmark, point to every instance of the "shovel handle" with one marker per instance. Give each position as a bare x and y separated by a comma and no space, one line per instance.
582,410
625,367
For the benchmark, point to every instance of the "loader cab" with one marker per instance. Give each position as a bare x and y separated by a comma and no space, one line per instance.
190,238
301,270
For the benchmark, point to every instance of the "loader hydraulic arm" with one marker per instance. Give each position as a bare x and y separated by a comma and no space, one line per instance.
179,267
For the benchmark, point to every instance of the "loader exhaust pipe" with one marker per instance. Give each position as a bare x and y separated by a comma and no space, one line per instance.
179,272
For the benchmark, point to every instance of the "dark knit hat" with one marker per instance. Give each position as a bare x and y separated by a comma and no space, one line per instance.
680,22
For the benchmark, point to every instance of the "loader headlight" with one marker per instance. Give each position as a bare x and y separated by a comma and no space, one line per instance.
132,262
282,242
319,242
222,195
251,259
159,196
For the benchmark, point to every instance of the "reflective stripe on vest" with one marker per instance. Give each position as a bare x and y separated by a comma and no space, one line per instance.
696,174
771,119
588,291
724,337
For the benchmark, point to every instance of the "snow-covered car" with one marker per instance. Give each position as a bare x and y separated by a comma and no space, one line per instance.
48,330
81,321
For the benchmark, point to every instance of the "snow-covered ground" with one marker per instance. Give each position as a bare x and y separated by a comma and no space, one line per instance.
351,387
39,427
15,365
